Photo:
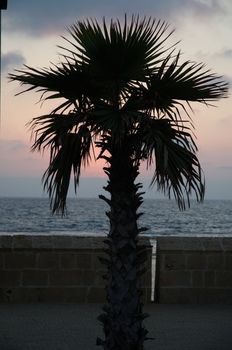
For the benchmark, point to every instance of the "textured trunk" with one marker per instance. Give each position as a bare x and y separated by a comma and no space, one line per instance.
123,317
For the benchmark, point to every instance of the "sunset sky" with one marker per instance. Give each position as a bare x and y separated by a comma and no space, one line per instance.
31,31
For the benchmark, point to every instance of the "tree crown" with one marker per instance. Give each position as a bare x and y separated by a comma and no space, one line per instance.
119,81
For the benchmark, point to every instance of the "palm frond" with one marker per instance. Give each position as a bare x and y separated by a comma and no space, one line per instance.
69,156
122,52
173,84
47,130
69,140
191,82
65,81
173,152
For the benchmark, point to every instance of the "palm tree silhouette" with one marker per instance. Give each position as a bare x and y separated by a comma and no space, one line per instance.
123,94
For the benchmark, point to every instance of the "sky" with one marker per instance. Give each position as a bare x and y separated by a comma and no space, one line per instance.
31,31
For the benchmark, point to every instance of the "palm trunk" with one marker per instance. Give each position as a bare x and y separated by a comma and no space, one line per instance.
122,320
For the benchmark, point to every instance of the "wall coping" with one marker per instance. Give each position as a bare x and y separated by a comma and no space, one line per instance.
57,241
199,242
91,234
88,240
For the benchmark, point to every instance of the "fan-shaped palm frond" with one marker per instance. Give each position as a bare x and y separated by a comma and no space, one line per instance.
47,130
172,153
119,52
72,152
174,83
69,140
67,81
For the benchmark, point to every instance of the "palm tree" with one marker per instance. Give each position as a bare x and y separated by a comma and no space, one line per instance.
123,95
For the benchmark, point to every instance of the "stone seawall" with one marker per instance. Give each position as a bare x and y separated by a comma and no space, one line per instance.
57,268
65,268
194,269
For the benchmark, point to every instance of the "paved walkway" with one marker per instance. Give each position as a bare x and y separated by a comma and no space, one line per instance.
74,326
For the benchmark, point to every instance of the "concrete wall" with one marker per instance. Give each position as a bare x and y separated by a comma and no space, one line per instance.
56,268
65,268
194,269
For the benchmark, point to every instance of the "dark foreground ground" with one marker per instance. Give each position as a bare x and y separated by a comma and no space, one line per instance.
74,326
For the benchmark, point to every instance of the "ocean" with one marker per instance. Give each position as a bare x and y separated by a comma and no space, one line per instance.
33,215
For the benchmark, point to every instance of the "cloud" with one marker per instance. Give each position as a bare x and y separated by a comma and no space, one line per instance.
226,121
51,17
18,186
228,79
16,159
12,59
227,53
207,8
225,167
198,8
12,146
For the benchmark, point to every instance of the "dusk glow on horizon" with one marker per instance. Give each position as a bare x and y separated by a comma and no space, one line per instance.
31,32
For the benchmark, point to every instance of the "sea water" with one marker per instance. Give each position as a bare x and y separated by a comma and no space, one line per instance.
33,215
